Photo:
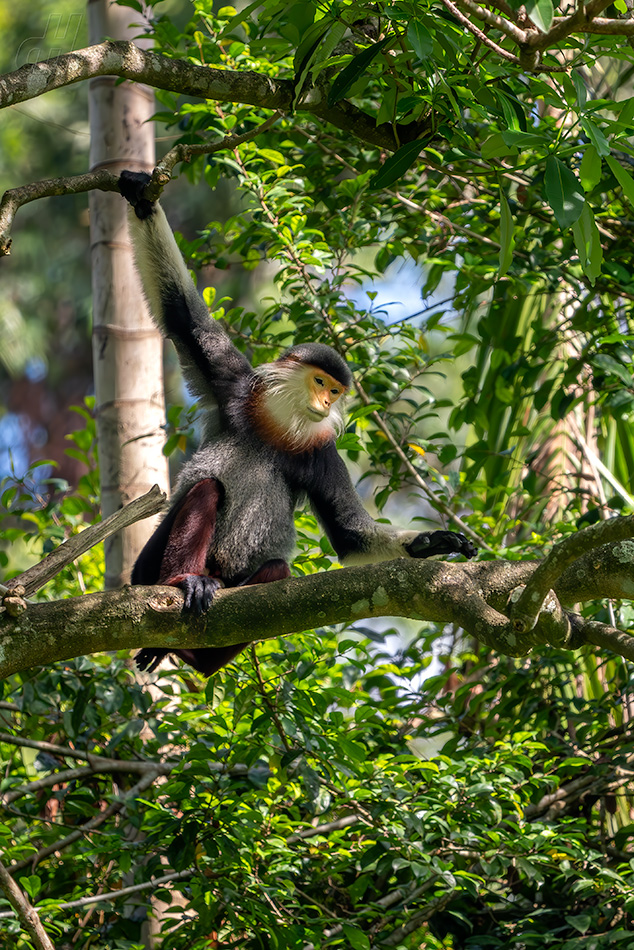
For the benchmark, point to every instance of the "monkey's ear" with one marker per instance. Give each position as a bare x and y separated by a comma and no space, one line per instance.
132,186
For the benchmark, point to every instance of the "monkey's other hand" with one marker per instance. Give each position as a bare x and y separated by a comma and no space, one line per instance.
429,543
199,591
132,186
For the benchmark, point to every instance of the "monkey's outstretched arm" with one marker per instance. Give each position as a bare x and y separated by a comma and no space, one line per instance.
357,538
211,364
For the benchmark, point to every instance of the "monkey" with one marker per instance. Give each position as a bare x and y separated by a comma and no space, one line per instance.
267,446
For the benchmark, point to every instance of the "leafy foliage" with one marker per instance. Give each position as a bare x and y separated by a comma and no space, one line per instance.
353,793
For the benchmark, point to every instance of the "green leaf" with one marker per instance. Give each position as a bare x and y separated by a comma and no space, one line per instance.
356,938
507,239
541,13
524,140
355,68
420,38
595,135
590,170
563,192
397,164
305,55
496,146
581,922
624,178
588,244
333,37
241,16
387,109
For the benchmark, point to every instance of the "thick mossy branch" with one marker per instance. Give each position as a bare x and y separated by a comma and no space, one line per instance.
473,595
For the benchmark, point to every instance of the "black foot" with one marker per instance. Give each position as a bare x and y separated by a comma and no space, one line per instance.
429,543
132,187
149,659
199,591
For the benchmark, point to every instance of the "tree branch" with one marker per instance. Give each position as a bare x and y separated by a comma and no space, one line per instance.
118,805
495,20
482,37
14,198
38,575
528,606
124,59
603,25
473,595
103,180
577,22
122,892
26,913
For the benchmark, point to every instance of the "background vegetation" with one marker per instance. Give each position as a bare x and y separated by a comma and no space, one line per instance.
373,787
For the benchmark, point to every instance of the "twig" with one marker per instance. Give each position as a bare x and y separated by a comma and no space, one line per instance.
324,829
184,153
416,920
466,22
36,576
119,805
268,702
493,19
115,895
25,911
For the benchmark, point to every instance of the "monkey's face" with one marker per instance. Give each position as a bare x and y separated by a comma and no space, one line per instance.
322,391
294,407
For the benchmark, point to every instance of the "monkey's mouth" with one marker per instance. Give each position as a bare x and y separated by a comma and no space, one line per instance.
318,413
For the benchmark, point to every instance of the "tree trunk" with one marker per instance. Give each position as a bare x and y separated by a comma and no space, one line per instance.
127,349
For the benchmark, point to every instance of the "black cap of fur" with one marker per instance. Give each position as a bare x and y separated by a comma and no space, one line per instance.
318,354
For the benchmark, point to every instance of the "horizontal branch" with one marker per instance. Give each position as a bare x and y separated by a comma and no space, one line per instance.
14,198
473,595
103,180
605,25
124,59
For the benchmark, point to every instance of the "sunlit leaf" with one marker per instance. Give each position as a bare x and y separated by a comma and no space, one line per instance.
590,170
507,239
541,13
588,244
563,192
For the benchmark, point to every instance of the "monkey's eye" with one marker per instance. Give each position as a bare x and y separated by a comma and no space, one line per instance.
335,392
319,380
